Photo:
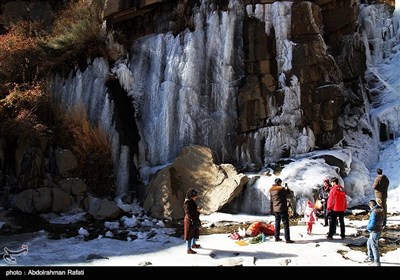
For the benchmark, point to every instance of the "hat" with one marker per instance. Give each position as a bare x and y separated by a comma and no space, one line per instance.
326,180
309,203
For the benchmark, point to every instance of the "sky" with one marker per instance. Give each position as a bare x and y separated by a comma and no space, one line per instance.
302,175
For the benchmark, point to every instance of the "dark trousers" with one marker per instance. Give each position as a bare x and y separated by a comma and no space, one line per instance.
332,227
285,220
326,215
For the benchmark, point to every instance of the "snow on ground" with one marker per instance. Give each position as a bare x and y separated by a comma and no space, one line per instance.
217,249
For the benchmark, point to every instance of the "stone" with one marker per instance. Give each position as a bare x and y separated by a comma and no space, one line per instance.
61,201
194,168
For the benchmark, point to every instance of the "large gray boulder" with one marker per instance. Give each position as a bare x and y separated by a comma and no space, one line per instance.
33,201
43,200
61,201
102,208
74,186
194,168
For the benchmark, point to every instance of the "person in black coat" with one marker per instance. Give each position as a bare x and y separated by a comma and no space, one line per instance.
323,195
191,233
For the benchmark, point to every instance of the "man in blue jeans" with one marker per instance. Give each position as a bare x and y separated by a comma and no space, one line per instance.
374,227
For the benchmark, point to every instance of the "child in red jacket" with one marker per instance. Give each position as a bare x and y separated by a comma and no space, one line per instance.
310,216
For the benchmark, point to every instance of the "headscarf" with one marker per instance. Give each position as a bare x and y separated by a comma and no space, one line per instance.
191,193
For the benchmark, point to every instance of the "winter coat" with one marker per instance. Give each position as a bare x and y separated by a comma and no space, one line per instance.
337,199
323,192
254,229
278,198
191,213
310,215
381,184
376,218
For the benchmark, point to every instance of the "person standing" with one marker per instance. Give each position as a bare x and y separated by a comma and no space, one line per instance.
336,206
191,234
323,195
381,185
374,227
310,216
279,206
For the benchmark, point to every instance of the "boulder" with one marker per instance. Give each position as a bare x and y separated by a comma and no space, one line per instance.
194,168
61,201
74,186
34,201
102,208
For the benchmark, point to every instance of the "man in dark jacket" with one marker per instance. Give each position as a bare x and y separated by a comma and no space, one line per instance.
381,185
374,227
279,206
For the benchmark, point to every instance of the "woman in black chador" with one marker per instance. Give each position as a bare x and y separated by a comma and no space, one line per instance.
191,233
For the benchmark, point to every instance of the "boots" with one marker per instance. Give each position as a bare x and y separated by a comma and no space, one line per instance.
191,252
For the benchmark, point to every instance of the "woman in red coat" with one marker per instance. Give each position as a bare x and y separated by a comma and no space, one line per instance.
191,213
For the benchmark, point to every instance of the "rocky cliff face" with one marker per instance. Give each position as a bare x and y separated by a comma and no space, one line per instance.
254,81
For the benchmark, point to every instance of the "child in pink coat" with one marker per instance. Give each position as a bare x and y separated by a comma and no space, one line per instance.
310,216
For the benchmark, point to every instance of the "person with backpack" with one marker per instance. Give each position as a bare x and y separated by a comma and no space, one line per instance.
381,185
336,206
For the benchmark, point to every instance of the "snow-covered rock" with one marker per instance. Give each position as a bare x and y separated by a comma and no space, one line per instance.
83,232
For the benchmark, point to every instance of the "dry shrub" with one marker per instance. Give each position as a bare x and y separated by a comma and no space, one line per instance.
28,96
19,55
92,149
76,32
25,113
28,51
